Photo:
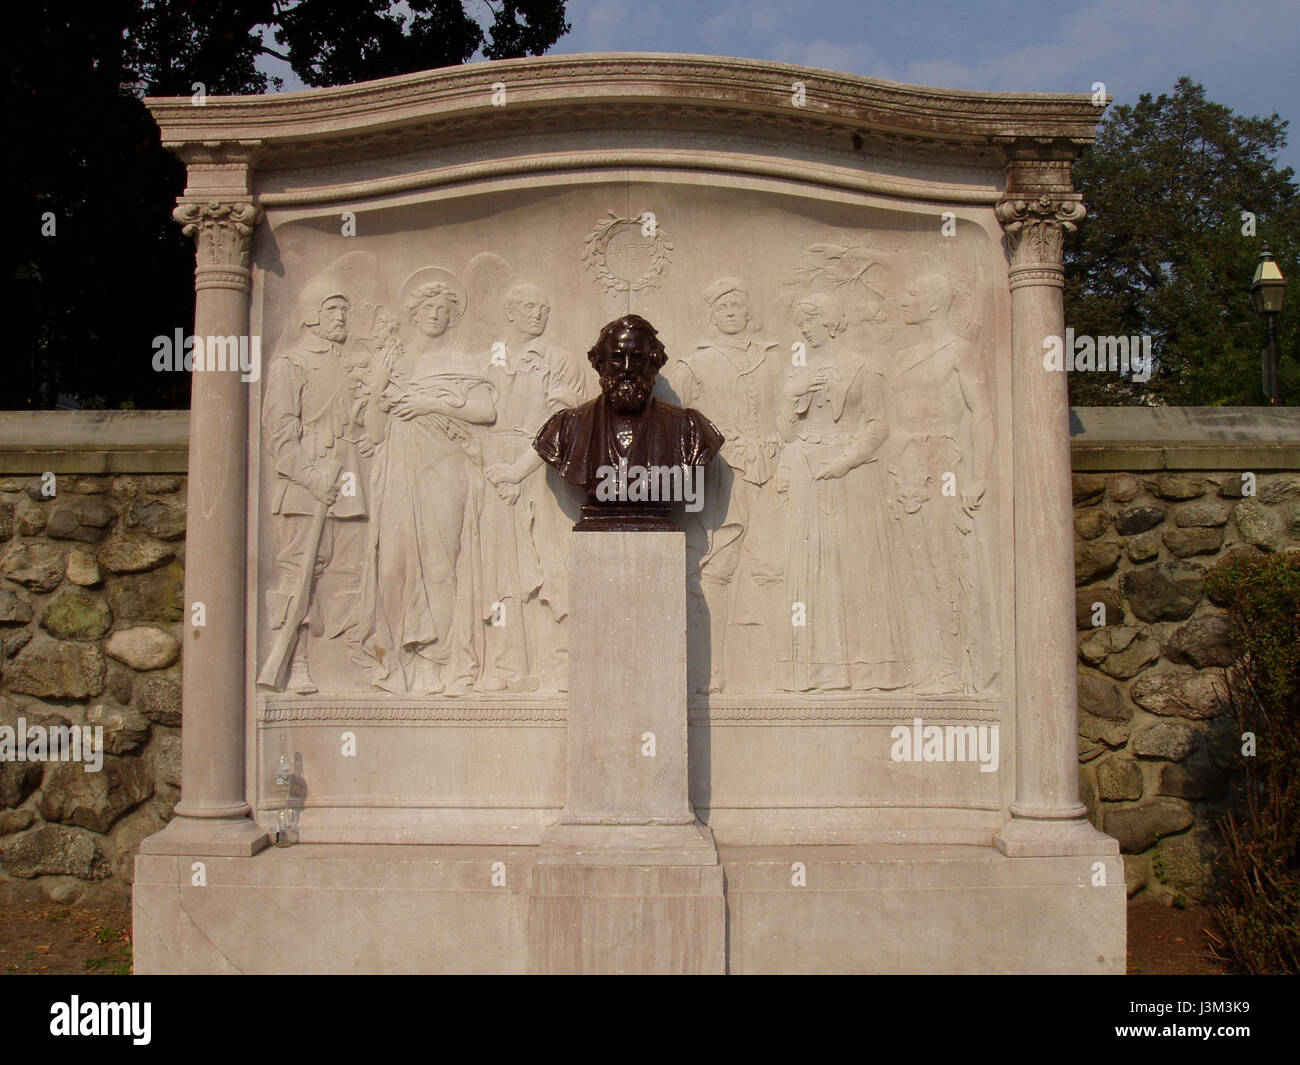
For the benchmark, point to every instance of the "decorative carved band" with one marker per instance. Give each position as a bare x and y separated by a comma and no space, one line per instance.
274,715
1036,228
224,231
1037,274
239,278
547,715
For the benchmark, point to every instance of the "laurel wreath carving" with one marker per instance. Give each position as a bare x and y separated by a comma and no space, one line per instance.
597,241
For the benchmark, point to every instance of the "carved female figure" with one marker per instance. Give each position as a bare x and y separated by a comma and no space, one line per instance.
845,607
427,497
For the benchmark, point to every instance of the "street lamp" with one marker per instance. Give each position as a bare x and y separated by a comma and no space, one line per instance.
1266,295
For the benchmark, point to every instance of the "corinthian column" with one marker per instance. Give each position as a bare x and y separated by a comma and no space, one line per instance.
213,817
1037,211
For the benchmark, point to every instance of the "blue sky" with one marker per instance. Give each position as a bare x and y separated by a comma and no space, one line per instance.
1245,52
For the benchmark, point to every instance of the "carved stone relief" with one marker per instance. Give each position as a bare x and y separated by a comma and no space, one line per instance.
416,545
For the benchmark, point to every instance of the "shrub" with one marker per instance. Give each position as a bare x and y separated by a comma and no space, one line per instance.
1260,906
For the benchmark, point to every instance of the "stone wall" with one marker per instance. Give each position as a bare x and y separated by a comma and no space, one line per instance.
1160,498
91,605
92,554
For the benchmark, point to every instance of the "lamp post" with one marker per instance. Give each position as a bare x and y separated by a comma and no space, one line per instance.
1266,293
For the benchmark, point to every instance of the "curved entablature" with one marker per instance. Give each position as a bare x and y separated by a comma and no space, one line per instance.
623,91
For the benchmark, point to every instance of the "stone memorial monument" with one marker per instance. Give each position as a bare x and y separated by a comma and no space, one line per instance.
763,659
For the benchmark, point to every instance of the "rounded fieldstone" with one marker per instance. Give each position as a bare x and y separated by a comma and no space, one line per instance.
156,596
1093,560
76,616
1256,524
13,611
16,641
165,522
159,699
1170,740
1175,486
94,800
1190,862
160,484
1091,523
12,821
6,520
1205,515
1088,487
124,729
1119,779
134,552
1137,827
1133,520
1203,642
1179,694
1101,697
166,754
1143,548
1124,488
52,850
33,565
1120,651
29,518
1167,591
1086,602
18,780
85,518
82,569
143,647
1233,486
1185,543
1100,734
1279,490
54,669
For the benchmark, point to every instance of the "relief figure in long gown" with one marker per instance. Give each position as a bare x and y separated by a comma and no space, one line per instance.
427,498
845,625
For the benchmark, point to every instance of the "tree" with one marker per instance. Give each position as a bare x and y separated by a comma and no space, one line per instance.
97,267
1165,250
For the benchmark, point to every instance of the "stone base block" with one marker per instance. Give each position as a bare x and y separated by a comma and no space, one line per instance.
664,919
880,908
897,908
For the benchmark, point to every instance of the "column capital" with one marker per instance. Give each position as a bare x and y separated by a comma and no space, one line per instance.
223,230
1036,230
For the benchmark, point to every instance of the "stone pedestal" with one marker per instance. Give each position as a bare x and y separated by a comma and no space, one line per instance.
627,851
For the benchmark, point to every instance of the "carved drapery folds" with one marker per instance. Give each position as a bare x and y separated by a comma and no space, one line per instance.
224,232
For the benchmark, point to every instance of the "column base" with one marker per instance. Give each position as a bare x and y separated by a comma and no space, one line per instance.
1022,837
208,836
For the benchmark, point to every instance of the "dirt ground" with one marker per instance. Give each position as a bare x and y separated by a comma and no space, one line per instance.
97,939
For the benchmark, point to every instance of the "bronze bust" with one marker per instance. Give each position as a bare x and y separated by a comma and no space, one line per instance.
628,429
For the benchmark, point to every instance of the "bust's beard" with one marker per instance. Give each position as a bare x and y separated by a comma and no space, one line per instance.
625,393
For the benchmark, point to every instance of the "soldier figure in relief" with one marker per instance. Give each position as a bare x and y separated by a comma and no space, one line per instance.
738,379
310,420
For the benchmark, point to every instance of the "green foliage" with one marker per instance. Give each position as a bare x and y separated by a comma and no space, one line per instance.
1260,907
1162,253
88,301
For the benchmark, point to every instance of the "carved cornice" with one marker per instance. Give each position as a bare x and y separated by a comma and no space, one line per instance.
620,91
224,233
